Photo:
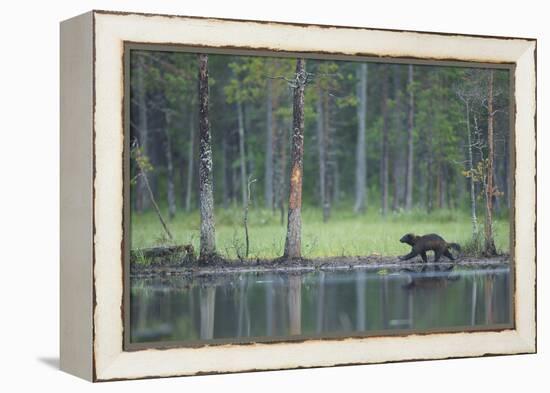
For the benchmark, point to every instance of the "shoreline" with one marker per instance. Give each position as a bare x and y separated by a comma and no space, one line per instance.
280,265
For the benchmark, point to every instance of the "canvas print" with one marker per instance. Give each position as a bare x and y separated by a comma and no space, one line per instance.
278,198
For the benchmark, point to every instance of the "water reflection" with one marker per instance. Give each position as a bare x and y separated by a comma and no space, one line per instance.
242,305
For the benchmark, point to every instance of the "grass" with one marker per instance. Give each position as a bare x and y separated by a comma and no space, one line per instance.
343,235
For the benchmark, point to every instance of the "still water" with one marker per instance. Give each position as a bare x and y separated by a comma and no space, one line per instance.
319,303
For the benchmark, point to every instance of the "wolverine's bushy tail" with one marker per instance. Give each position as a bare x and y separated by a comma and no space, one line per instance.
456,246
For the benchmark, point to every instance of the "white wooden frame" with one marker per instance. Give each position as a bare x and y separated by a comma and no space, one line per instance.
92,144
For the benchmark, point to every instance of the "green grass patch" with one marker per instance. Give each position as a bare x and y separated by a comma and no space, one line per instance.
345,234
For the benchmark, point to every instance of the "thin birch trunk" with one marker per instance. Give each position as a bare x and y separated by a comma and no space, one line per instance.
207,236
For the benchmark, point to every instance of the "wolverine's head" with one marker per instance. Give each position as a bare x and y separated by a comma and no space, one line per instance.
409,238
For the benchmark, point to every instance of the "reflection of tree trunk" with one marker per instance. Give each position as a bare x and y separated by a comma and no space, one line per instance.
360,292
474,301
142,307
295,304
243,326
207,309
320,320
489,310
410,299
383,286
269,305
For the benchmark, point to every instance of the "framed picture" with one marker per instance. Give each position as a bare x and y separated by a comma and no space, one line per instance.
247,195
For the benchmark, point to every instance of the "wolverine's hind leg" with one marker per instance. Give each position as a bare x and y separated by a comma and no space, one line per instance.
424,257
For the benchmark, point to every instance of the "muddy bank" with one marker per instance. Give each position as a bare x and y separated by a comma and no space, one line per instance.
218,266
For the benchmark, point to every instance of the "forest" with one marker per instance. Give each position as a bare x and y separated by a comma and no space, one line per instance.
248,157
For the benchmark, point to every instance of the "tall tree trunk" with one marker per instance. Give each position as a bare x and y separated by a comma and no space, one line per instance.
226,191
398,142
490,248
430,163
182,190
190,162
443,202
207,237
142,202
335,181
361,153
473,212
322,151
293,247
410,143
242,154
439,185
332,181
280,144
268,182
384,154
171,190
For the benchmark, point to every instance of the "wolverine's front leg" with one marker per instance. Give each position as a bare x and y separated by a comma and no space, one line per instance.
410,255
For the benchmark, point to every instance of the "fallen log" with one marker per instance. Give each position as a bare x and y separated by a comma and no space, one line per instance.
163,254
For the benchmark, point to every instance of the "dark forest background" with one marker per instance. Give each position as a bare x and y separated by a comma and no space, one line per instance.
388,149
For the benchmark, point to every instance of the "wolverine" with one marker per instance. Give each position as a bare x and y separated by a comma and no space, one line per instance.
432,242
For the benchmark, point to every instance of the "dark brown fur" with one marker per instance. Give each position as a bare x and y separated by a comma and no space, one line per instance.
432,242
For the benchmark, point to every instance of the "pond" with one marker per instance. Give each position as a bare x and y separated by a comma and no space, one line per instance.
250,306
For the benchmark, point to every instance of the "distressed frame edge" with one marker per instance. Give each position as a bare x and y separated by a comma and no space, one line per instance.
527,341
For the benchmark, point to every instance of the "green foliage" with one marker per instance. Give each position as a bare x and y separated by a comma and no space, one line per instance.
344,235
141,159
